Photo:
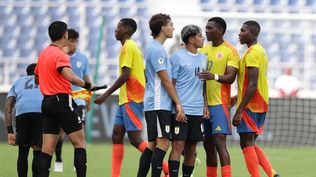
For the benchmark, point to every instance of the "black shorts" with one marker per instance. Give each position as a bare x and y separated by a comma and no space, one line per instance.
82,113
191,131
158,124
59,112
29,129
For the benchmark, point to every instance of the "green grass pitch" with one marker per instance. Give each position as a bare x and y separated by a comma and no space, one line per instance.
289,162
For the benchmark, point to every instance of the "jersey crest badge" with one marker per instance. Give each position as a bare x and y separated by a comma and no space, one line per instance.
219,55
161,61
176,130
78,64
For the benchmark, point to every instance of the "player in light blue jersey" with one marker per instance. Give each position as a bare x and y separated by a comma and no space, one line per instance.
159,95
26,97
186,65
80,66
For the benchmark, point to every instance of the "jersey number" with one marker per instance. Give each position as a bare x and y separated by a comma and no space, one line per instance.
29,84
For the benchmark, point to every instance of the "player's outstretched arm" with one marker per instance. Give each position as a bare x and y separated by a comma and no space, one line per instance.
167,83
8,112
228,78
74,79
253,74
117,84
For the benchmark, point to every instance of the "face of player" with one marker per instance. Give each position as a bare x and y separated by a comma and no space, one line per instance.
72,44
120,31
168,29
212,31
198,41
244,35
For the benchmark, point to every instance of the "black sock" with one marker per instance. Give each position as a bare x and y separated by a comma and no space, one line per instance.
173,168
36,155
144,163
187,170
81,162
44,164
22,161
156,162
58,148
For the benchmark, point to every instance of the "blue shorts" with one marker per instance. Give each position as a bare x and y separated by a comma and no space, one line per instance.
219,122
130,115
251,122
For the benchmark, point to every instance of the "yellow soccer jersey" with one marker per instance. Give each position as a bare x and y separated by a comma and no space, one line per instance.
134,88
255,56
219,58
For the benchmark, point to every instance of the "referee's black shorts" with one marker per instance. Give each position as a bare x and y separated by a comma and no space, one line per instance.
29,129
59,112
192,131
158,124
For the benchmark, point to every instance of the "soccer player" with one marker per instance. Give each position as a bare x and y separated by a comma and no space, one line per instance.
80,66
186,64
131,82
158,98
27,98
223,66
252,99
55,77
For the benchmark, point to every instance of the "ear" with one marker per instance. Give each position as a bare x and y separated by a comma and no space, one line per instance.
191,39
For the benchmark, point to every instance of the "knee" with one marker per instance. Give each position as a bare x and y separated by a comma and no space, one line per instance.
178,146
135,141
117,138
163,144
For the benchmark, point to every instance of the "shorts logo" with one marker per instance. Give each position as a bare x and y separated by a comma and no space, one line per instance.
167,128
160,61
177,130
218,128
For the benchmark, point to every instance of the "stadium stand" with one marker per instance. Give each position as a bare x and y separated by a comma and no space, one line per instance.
23,30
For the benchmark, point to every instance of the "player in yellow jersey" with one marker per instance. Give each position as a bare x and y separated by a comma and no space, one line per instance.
252,99
223,66
131,82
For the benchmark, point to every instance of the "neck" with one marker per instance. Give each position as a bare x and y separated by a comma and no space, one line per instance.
124,39
57,44
218,42
161,38
249,44
191,48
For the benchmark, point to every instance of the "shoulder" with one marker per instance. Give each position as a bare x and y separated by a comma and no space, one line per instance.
230,48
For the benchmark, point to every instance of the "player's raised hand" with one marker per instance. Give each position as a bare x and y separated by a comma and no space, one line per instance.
180,115
11,139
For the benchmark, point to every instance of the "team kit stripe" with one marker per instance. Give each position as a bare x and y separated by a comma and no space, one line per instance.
134,118
157,93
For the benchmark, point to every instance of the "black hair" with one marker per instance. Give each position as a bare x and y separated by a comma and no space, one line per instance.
189,31
253,26
30,69
73,34
57,30
156,22
220,22
129,22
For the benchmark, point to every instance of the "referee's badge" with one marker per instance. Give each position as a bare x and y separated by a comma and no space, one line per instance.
78,64
167,128
177,130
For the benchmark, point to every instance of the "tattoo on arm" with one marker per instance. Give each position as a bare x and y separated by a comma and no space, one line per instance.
8,110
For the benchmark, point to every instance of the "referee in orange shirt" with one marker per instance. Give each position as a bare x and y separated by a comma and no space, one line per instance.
54,74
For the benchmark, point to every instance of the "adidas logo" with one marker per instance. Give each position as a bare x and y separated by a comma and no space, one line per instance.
218,128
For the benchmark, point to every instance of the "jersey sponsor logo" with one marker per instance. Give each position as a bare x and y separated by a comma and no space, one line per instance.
161,60
218,128
78,64
219,55
167,128
176,130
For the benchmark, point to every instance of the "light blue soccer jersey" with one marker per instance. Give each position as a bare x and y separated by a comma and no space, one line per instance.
27,94
185,67
156,96
80,66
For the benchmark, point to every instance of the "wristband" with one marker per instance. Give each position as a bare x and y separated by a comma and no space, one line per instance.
216,77
10,129
87,85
